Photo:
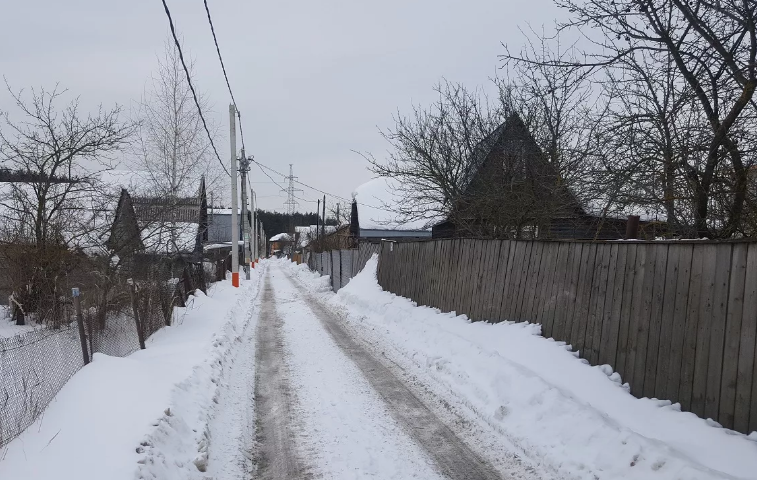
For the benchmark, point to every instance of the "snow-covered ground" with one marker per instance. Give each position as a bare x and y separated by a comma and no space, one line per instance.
533,393
184,408
8,327
345,429
146,415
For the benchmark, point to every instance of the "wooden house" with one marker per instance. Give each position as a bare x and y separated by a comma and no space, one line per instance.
513,191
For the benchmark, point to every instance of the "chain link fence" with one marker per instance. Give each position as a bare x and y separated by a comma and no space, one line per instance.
35,365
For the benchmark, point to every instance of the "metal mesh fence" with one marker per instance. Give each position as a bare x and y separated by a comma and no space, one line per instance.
33,368
35,365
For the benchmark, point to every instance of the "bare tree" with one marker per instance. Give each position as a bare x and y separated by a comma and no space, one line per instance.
434,150
712,47
173,147
55,209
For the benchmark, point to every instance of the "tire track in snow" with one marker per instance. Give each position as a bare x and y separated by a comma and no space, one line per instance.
277,455
450,454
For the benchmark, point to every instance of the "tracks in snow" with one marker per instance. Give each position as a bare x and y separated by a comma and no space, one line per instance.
386,415
277,457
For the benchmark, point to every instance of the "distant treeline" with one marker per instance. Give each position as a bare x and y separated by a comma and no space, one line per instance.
276,222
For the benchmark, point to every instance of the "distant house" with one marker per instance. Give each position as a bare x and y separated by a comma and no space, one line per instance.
280,244
165,226
373,219
514,192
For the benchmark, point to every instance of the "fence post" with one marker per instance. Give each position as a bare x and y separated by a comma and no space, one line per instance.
187,281
134,306
632,227
80,322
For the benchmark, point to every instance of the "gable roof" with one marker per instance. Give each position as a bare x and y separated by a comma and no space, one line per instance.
510,154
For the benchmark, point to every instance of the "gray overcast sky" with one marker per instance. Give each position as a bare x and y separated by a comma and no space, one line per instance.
313,79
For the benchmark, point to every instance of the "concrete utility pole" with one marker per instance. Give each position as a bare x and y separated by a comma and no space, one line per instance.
244,167
254,232
234,205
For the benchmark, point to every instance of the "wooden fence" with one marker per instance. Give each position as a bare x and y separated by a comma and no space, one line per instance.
342,265
678,320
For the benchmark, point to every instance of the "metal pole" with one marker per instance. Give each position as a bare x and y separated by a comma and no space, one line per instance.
243,163
80,322
234,203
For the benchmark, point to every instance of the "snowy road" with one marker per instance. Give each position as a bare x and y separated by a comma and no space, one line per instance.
326,408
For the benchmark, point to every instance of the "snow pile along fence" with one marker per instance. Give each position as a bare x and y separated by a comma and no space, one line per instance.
677,320
36,364
342,265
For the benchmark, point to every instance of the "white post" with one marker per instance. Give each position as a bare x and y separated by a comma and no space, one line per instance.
234,203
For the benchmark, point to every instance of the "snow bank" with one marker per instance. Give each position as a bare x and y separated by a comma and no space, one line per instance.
539,396
145,415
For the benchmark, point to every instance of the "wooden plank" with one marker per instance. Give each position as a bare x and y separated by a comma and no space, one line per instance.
732,341
709,267
558,325
746,386
553,288
672,271
445,271
469,287
501,283
659,295
639,308
453,252
545,275
533,277
608,344
717,332
598,300
573,277
508,280
520,287
688,354
483,247
613,346
486,287
490,276
680,312
513,280
592,319
581,310
464,280
457,259
625,311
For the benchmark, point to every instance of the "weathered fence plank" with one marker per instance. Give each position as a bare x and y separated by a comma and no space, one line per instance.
746,386
657,295
704,327
625,312
665,320
597,301
732,335
717,330
583,297
573,277
606,327
533,276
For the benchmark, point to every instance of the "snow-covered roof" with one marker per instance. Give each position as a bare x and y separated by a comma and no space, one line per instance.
281,237
377,206
169,238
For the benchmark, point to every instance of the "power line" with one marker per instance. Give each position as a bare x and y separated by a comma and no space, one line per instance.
262,167
191,87
223,67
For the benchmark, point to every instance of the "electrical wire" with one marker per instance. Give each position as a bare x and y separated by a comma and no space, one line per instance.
223,67
339,197
191,87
